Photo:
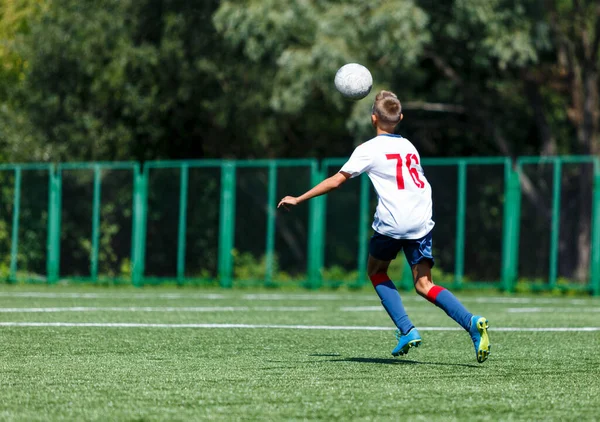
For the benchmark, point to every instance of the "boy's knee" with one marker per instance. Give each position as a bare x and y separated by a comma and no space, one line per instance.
423,285
422,277
376,266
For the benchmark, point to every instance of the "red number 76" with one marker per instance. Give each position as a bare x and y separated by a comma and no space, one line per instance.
414,174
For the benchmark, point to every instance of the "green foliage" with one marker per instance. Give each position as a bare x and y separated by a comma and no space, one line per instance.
337,273
123,83
123,79
300,46
248,268
16,19
510,32
142,80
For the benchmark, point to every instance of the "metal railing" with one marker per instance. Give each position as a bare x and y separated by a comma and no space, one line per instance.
176,221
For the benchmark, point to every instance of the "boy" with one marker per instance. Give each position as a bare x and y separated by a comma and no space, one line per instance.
403,221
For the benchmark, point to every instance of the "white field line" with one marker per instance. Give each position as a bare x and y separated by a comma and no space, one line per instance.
64,295
251,297
162,309
168,309
305,296
552,310
510,310
361,308
524,300
415,298
285,296
273,326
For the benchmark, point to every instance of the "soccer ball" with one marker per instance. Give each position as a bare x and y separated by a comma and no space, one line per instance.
354,81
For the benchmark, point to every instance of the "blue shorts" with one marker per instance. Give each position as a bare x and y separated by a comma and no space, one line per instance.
385,248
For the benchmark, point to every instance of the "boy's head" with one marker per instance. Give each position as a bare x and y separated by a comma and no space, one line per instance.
387,111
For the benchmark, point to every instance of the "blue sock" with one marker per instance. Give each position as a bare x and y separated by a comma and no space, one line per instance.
445,300
391,301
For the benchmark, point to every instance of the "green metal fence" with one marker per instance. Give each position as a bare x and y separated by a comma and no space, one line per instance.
95,222
499,224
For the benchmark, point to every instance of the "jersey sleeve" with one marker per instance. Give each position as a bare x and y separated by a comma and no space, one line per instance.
359,162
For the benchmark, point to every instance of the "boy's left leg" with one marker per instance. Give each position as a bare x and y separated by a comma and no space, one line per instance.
475,325
439,296
419,256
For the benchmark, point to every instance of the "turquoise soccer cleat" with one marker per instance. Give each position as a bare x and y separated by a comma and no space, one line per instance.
479,335
406,341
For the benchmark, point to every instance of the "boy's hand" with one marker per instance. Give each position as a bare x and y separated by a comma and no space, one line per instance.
287,202
322,188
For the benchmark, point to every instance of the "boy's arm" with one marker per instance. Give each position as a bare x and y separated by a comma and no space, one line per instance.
322,188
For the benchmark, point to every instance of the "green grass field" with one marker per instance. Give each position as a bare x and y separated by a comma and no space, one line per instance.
165,354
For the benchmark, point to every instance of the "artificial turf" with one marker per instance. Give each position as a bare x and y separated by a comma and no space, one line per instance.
170,373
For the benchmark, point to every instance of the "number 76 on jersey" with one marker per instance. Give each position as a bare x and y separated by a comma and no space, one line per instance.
410,159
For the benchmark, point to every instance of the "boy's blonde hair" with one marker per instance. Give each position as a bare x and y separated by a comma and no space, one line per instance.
387,108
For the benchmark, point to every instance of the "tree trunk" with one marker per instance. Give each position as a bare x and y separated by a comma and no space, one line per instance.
587,136
532,90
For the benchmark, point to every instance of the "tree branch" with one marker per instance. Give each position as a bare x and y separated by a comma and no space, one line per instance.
533,196
596,41
445,68
421,105
528,188
282,229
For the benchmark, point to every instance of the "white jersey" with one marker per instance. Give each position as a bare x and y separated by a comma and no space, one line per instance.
404,209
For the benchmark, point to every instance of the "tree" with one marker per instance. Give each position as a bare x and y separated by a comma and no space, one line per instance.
299,46
576,29
483,78
141,80
547,56
114,80
16,18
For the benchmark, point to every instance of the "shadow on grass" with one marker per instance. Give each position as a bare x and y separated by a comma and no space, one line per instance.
401,362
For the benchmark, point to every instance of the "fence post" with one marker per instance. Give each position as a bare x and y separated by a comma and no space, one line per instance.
227,224
54,217
271,214
506,226
555,224
14,245
140,208
459,265
182,226
95,223
510,238
363,230
595,261
316,238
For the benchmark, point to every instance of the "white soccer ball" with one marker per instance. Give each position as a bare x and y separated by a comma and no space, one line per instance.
354,81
